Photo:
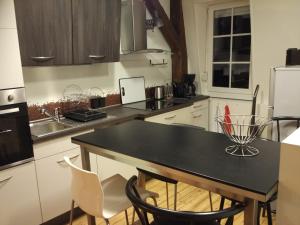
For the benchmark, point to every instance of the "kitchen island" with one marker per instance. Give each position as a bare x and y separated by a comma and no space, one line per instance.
189,155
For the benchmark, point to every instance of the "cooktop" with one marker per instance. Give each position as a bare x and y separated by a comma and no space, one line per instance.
152,105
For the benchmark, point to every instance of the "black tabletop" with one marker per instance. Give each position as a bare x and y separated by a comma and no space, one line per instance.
193,151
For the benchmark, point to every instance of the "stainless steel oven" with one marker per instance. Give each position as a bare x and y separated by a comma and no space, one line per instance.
15,138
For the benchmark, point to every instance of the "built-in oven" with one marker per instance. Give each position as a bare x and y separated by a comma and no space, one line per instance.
15,138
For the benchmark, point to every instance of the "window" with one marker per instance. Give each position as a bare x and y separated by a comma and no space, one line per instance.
229,49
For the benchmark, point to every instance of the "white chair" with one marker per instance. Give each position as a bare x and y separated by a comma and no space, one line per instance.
100,199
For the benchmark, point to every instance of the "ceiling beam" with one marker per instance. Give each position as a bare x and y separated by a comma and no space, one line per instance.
174,33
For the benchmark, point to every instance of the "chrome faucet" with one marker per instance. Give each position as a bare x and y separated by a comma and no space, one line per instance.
56,115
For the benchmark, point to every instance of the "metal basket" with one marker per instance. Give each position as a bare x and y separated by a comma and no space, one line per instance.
242,130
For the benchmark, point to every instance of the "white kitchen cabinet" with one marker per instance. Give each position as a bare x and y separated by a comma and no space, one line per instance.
196,115
7,14
54,179
54,176
19,200
10,61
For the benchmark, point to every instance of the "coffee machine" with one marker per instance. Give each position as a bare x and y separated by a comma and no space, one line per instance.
189,86
185,89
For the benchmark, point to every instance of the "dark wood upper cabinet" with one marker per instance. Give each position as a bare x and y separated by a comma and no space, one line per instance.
96,31
45,31
65,32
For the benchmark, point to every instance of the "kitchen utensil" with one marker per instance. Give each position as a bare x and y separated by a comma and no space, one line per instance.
159,92
85,115
242,133
96,98
132,89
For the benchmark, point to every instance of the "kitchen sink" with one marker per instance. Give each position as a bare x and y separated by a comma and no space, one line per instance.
43,128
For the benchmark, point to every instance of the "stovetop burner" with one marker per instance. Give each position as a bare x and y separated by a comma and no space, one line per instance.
85,115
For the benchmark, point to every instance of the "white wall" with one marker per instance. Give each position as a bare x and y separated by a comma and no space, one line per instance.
46,84
274,28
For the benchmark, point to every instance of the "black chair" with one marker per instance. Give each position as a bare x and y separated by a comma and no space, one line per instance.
167,181
167,217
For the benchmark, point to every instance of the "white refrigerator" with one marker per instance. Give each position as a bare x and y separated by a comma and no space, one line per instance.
285,98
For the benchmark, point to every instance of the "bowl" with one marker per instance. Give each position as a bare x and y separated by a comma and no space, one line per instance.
242,130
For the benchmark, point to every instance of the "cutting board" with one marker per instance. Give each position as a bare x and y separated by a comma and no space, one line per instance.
132,89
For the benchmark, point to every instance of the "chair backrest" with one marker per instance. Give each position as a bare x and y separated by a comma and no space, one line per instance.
167,217
86,190
286,119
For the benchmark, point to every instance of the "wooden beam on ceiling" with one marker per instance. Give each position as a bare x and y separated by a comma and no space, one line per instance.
174,33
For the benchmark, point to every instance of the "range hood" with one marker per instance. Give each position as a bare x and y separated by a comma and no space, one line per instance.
133,28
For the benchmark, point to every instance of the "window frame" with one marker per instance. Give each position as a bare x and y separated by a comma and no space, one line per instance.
225,92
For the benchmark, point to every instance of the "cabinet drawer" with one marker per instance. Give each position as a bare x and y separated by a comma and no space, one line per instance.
200,118
200,105
19,196
55,146
176,116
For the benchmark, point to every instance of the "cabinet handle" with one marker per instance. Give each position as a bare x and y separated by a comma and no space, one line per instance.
171,117
96,57
198,116
42,58
197,106
5,179
5,131
71,158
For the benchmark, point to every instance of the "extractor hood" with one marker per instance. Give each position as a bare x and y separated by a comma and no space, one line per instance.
133,28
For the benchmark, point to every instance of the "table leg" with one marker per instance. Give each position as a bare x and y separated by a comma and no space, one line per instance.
141,182
86,165
250,215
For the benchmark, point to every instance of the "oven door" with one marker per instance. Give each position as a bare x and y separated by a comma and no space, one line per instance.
15,138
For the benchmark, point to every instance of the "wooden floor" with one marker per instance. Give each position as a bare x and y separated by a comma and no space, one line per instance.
189,198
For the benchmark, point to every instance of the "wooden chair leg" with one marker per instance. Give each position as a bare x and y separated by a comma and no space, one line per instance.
175,196
167,191
269,214
71,212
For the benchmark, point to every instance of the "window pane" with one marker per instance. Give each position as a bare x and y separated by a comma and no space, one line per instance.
222,22
240,76
221,75
241,20
221,49
241,48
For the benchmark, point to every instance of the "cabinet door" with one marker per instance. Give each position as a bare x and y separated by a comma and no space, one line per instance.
45,31
54,179
96,31
19,196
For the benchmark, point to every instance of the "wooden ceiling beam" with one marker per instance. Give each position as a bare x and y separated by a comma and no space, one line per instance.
167,30
174,33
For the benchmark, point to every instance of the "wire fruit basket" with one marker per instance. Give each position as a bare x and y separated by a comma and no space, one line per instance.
242,130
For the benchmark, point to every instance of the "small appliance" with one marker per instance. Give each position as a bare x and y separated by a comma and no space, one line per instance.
15,138
159,92
190,88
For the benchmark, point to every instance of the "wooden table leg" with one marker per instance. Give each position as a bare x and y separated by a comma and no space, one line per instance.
86,165
250,215
141,182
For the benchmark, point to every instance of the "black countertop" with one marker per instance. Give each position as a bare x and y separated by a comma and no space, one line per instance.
117,114
193,151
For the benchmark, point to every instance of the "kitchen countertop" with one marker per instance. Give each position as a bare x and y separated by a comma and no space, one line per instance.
116,114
